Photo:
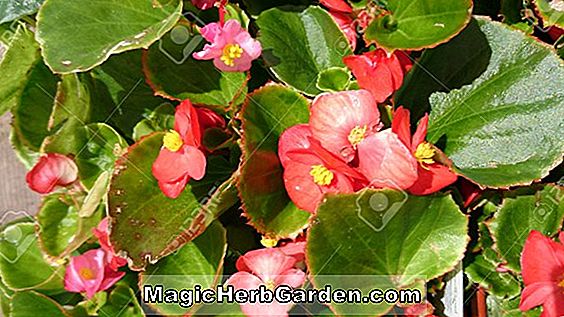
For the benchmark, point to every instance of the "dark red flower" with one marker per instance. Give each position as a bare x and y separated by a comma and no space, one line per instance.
379,72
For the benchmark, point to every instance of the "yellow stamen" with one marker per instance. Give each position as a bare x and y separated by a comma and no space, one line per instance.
321,175
268,242
561,284
231,52
357,135
425,153
172,141
270,284
86,273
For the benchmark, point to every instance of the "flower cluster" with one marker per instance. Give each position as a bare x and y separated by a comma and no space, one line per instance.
95,270
344,149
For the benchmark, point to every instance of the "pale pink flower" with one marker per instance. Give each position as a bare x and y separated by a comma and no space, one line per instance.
50,171
90,273
269,267
231,47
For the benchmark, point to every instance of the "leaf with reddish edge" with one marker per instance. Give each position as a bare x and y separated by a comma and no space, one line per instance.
266,114
405,240
31,303
145,224
417,24
552,12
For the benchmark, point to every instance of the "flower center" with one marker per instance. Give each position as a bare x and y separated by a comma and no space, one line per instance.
268,242
172,141
425,153
270,284
561,284
231,52
321,175
86,273
357,135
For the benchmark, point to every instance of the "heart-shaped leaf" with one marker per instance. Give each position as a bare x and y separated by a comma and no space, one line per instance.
147,225
505,128
82,34
483,272
300,45
417,24
267,113
333,79
522,212
173,73
403,238
61,230
199,262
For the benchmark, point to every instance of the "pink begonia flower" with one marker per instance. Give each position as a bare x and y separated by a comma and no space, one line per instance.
386,161
50,171
269,267
310,171
101,232
542,267
378,72
182,157
432,176
232,48
340,121
90,273
204,4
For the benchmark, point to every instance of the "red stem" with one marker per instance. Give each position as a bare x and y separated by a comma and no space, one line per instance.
222,11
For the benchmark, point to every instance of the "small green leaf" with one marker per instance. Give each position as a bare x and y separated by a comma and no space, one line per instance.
269,111
168,62
14,9
552,12
74,42
61,230
417,24
20,57
483,272
22,265
95,196
519,214
403,237
146,224
199,262
499,307
505,128
122,302
161,119
25,304
300,45
333,79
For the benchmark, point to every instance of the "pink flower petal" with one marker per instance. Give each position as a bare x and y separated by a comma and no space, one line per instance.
431,179
265,263
50,171
211,31
335,115
294,138
337,5
187,125
386,161
294,278
174,189
551,268
536,294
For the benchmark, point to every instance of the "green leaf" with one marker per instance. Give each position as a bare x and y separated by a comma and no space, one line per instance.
78,36
20,57
505,128
33,108
403,237
269,111
122,302
25,304
552,12
519,214
300,45
120,83
14,9
483,272
22,265
146,224
168,62
161,119
417,24
199,262
498,307
61,230
333,79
